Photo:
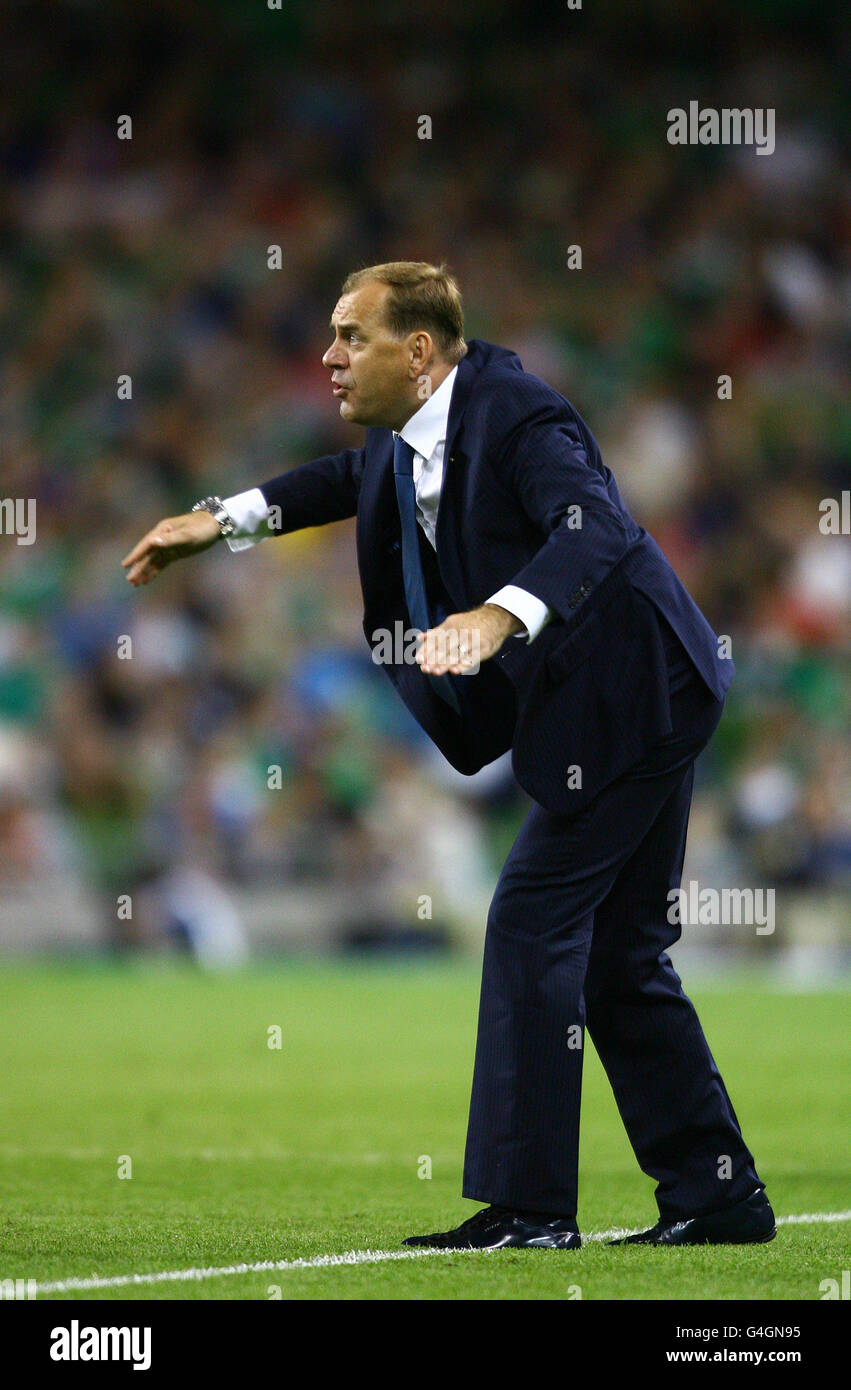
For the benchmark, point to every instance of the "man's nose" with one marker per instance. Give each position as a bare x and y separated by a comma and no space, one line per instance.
334,357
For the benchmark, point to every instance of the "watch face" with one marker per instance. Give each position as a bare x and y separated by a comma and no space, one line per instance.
215,507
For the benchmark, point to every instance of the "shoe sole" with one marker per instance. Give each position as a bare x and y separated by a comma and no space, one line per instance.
683,1244
436,1245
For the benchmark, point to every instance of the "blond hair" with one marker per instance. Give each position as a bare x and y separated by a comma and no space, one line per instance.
421,296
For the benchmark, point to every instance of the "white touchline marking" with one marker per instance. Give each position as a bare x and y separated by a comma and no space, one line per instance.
813,1216
176,1276
350,1257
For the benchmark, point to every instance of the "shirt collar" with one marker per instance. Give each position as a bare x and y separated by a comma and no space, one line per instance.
427,428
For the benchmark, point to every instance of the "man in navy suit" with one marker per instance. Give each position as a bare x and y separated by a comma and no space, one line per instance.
485,512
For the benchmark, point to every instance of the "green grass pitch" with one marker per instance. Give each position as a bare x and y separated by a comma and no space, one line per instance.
243,1153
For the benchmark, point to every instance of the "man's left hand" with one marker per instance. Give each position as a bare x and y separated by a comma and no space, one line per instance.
463,640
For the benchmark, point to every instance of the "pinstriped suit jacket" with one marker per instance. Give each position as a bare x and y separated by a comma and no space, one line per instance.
526,499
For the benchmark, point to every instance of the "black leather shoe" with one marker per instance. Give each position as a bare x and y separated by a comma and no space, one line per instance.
750,1222
497,1228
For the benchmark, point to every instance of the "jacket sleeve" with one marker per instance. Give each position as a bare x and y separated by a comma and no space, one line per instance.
316,493
544,461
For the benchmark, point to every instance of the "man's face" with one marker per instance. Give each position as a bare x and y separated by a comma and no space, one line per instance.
370,368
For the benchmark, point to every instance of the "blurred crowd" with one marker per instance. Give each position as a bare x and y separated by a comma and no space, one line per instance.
242,734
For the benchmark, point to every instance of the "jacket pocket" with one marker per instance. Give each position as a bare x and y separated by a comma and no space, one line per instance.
574,648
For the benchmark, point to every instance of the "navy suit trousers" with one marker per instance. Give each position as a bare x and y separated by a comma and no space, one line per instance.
576,938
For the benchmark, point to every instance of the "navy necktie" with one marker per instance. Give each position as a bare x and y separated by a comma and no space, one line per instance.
412,569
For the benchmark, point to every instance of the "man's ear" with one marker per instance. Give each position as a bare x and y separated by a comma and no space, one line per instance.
421,353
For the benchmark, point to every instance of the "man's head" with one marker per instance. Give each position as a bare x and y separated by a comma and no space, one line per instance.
394,325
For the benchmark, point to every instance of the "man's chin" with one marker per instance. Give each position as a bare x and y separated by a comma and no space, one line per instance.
350,413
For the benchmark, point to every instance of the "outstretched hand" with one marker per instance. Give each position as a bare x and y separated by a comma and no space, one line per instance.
463,640
171,539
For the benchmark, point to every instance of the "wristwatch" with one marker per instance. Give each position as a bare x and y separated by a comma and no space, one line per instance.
216,507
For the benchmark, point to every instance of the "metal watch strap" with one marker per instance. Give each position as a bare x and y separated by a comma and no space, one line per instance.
216,507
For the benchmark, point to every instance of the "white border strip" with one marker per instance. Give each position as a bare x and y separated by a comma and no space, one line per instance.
351,1257
178,1276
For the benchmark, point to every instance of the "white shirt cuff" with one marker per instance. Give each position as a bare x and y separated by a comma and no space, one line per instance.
250,511
532,612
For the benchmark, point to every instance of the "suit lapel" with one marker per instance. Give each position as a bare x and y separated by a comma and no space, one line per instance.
467,372
377,504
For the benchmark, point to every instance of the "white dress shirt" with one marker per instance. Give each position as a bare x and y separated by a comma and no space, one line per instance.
426,433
